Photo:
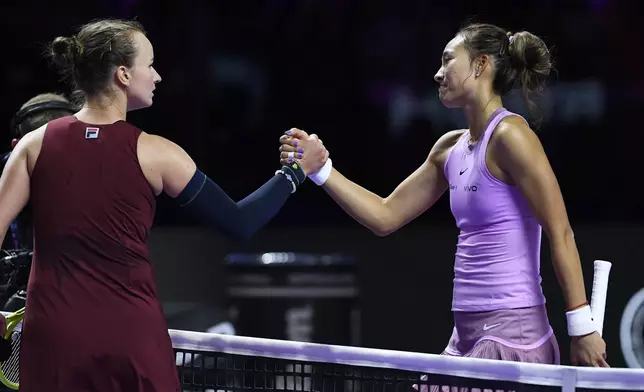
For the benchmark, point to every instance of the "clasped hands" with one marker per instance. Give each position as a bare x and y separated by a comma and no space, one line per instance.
307,150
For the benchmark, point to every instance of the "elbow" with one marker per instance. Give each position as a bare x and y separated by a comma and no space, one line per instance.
385,221
560,235
383,227
380,232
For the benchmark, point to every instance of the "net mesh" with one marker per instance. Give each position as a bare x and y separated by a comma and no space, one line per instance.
229,372
210,362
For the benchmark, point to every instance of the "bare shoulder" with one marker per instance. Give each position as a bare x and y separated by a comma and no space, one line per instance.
514,132
164,164
33,138
443,145
515,145
155,142
30,145
158,148
447,141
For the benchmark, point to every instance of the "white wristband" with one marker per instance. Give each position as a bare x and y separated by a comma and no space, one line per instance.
320,176
580,321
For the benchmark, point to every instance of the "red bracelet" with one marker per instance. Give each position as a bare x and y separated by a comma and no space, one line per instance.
577,307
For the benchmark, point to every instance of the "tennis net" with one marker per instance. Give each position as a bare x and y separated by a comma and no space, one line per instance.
222,363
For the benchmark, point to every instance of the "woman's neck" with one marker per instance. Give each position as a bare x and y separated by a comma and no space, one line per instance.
478,114
103,110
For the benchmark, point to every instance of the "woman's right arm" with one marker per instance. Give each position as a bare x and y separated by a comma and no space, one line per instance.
168,168
411,198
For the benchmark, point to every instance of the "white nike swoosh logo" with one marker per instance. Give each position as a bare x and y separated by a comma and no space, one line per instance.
486,327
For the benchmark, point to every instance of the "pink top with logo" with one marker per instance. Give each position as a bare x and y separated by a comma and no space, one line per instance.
498,252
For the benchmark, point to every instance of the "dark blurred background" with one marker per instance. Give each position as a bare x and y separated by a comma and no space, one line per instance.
236,74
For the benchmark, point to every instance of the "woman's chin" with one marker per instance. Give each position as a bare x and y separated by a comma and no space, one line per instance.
142,104
448,101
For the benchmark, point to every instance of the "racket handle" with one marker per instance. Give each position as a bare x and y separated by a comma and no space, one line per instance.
599,292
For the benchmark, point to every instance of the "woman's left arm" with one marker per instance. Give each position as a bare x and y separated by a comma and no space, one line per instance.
519,154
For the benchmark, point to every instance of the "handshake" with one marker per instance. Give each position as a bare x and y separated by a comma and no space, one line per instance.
308,152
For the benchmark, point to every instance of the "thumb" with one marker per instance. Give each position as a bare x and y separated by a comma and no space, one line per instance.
297,133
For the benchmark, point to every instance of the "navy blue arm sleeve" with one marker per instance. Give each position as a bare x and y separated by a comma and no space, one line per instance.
211,205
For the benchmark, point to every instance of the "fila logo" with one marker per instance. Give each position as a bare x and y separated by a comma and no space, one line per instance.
91,133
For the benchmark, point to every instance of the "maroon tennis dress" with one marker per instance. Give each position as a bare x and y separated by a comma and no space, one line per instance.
93,320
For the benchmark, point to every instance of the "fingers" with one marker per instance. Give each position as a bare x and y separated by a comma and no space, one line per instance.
297,133
291,141
285,139
285,161
591,362
289,148
293,145
290,156
293,136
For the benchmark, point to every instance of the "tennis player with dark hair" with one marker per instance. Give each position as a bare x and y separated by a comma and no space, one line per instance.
93,319
502,193
38,111
33,114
